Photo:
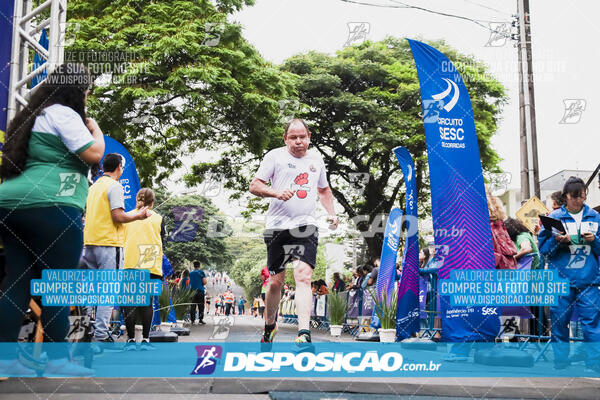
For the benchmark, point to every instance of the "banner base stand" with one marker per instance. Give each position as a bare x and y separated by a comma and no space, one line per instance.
372,336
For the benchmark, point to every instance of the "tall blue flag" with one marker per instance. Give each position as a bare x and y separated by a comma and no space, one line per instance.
461,220
386,280
38,61
129,180
407,313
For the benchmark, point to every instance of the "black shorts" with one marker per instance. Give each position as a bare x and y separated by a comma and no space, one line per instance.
286,245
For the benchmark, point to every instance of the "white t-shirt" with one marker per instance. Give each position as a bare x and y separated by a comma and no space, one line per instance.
304,175
577,217
64,122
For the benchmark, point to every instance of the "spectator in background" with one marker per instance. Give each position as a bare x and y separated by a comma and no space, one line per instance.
374,273
557,200
322,288
526,244
504,248
338,283
424,257
197,282
144,234
185,279
523,240
357,276
366,275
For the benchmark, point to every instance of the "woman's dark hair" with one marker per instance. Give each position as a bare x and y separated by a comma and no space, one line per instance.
514,227
574,186
66,86
185,273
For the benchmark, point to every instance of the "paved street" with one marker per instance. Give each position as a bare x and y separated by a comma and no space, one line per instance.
246,328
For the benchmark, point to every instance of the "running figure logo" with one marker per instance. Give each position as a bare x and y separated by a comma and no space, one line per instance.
300,185
207,359
148,255
579,255
68,183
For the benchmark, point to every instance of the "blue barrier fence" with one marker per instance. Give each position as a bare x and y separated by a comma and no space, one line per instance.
360,308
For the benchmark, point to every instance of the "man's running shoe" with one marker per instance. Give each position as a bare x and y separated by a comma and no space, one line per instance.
303,337
269,334
146,346
304,342
130,345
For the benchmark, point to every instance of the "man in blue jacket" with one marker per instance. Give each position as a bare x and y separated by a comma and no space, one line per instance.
575,256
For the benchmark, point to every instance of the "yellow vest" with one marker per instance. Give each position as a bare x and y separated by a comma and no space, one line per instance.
99,229
143,244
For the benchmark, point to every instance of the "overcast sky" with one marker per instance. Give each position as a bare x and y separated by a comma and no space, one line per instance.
565,58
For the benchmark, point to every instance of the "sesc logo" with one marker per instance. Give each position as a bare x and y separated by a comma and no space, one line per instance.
448,106
207,359
489,311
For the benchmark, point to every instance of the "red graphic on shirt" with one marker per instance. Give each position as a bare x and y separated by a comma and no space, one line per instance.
301,185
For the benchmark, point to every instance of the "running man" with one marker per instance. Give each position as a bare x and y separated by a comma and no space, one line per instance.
297,177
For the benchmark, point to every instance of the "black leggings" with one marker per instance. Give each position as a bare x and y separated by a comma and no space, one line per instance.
145,313
36,239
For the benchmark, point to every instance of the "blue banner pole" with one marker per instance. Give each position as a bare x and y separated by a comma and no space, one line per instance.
408,312
461,220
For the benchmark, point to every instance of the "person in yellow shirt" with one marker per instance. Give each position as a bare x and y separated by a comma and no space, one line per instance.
103,233
143,250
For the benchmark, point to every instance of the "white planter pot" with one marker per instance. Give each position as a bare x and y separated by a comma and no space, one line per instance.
166,326
336,330
387,335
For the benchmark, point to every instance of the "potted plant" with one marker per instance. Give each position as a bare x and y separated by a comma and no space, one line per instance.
181,302
337,313
177,300
385,308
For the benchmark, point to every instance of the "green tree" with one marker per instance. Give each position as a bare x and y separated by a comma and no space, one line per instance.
189,79
208,245
363,102
250,256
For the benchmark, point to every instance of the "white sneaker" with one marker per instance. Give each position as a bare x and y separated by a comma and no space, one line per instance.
146,345
130,345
